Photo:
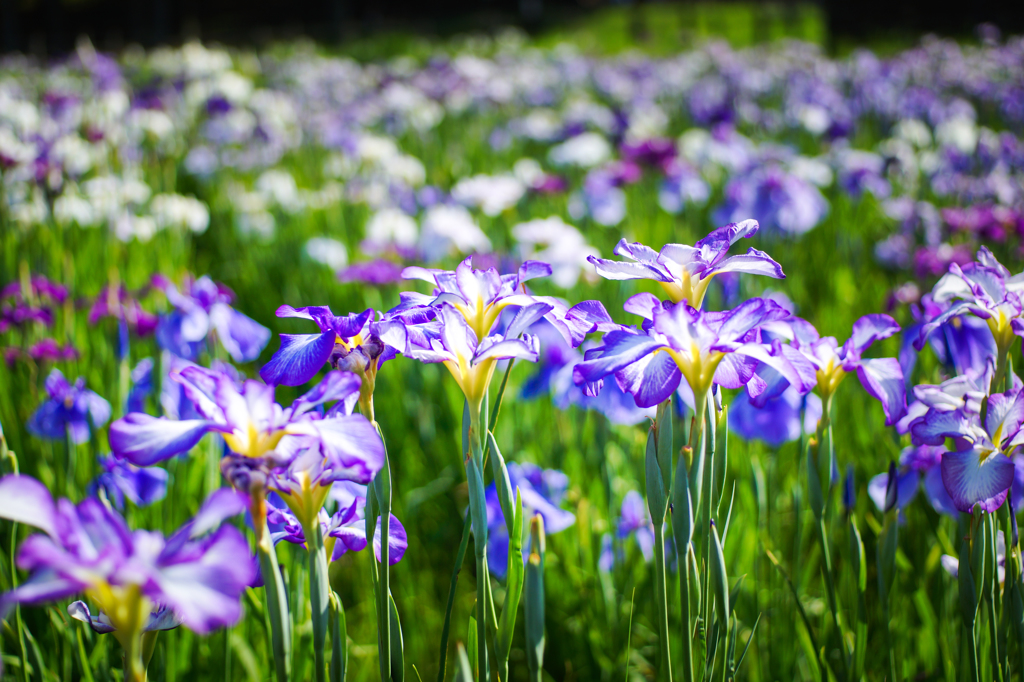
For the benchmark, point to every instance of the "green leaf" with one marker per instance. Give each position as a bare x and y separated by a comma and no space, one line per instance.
721,463
663,427
471,649
815,495
339,640
514,586
534,589
656,500
397,644
501,482
277,612
965,581
719,579
682,507
460,557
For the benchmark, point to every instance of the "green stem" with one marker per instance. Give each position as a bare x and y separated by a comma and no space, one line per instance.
684,598
478,512
339,643
661,598
460,557
19,625
972,652
382,483
277,610
833,601
319,597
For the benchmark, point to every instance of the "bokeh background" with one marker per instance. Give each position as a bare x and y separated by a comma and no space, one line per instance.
600,625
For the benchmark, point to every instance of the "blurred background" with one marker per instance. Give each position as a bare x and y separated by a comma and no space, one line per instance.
50,27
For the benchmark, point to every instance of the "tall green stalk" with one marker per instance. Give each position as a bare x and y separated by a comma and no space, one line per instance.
319,596
277,609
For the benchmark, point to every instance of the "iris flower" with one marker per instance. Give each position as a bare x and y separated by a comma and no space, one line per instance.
88,548
464,335
202,306
986,289
686,271
119,480
357,343
679,341
981,470
345,530
71,410
882,378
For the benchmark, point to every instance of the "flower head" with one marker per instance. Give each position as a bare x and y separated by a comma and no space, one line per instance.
70,409
88,548
202,306
686,271
119,479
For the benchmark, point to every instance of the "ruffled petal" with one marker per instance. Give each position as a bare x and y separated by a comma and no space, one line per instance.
969,480
882,378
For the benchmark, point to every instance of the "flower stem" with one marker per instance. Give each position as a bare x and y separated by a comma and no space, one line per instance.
277,609
661,597
833,602
319,596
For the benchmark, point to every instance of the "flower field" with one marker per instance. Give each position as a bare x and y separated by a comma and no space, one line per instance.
505,358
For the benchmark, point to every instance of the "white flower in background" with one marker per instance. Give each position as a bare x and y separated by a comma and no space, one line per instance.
585,150
407,169
251,214
646,121
129,226
375,148
733,153
234,87
151,123
13,151
561,245
74,154
390,226
175,210
491,193
540,124
813,170
580,109
327,251
72,208
914,131
528,171
340,166
448,228
279,187
814,118
29,208
959,132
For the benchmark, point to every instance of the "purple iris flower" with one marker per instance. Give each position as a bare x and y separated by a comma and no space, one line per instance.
781,419
120,479
634,520
918,464
257,429
986,289
686,271
678,341
882,378
782,201
203,306
123,305
963,343
981,470
71,410
88,548
344,531
555,376
357,343
141,385
542,491
467,305
376,272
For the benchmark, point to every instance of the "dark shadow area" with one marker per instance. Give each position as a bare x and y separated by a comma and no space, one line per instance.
50,27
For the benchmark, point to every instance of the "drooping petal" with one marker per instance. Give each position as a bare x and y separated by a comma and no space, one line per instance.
335,386
936,426
221,505
99,623
25,500
882,378
935,491
204,590
299,358
969,480
871,328
145,440
621,348
351,444
650,380
398,541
